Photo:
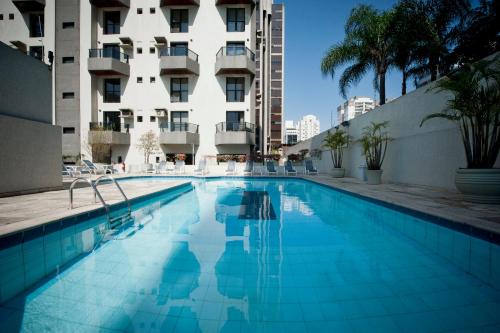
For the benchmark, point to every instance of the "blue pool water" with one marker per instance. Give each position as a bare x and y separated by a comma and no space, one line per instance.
263,256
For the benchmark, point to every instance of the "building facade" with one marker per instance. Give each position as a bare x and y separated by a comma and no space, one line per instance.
354,107
195,73
308,127
291,133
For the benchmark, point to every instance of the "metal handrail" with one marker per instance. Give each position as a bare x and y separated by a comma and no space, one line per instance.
235,50
179,127
96,192
108,177
234,126
109,53
178,51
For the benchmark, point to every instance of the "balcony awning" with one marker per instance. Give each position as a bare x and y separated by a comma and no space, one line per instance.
126,43
126,113
160,41
19,45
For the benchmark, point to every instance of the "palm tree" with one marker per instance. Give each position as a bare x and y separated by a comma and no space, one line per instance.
366,46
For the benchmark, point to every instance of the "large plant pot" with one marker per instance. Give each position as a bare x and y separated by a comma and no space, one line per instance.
338,172
373,177
479,185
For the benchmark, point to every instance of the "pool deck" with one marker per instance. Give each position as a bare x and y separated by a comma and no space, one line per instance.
23,212
18,212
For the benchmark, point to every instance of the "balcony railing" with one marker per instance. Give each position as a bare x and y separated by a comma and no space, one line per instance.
108,53
178,52
236,51
115,127
234,127
180,127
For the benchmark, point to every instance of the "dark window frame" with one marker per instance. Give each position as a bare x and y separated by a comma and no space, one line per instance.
179,20
68,25
112,92
152,10
235,89
139,119
110,25
234,20
139,11
139,79
11,16
69,130
181,89
68,60
68,95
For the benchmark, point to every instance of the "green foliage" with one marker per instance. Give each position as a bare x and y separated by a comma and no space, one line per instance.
374,144
475,107
335,142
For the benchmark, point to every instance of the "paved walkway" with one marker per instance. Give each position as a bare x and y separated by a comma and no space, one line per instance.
25,211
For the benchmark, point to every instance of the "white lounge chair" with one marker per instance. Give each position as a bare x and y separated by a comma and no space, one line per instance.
170,167
231,168
289,170
309,166
248,171
161,167
180,167
96,169
202,168
270,168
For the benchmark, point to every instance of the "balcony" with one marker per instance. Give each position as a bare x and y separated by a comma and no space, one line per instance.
164,3
26,6
235,60
110,3
105,62
108,134
234,133
235,2
179,134
178,60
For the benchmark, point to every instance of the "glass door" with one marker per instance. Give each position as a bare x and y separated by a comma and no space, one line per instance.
112,121
234,120
179,121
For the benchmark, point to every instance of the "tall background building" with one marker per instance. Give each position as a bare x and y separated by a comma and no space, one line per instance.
291,133
205,76
354,107
308,127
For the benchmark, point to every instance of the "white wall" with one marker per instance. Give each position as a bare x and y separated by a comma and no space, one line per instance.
427,155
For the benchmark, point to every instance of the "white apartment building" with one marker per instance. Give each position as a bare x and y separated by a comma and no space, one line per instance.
354,107
308,127
184,69
291,133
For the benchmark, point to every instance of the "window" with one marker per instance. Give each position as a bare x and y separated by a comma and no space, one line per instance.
68,60
152,119
235,19
36,52
11,16
111,23
139,11
178,90
68,130
152,50
152,10
1,17
139,119
139,79
179,49
235,48
179,20
112,90
235,89
68,25
68,95
152,79
36,25
139,50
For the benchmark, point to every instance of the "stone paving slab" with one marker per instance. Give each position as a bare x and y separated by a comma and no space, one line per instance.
27,211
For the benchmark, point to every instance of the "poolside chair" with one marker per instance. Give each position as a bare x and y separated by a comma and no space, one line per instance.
248,171
95,169
161,167
180,167
202,168
170,168
149,168
309,166
289,170
231,168
270,168
68,171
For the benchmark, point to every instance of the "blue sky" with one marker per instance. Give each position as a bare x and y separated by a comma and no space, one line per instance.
311,27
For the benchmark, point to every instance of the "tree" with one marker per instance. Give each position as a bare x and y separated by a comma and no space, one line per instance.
367,46
148,144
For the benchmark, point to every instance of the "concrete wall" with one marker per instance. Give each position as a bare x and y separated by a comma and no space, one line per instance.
427,155
25,87
30,156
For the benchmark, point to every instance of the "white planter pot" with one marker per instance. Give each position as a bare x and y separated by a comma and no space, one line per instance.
479,185
338,172
373,177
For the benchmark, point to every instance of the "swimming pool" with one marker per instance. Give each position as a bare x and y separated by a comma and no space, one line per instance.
259,255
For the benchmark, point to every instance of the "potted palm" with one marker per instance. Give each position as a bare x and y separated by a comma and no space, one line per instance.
475,108
374,144
335,142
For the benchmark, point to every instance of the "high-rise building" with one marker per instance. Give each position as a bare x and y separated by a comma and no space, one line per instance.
277,75
199,74
354,107
308,127
291,133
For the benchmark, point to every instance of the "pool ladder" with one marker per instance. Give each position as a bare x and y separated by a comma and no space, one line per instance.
112,222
